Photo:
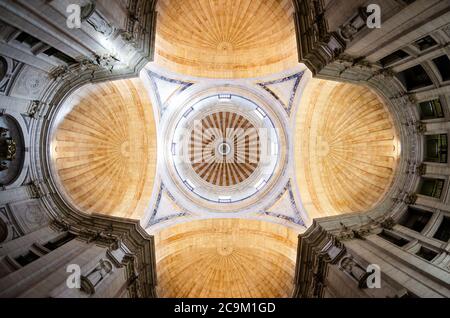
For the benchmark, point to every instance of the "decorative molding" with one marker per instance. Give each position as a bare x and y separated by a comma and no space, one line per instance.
354,270
13,68
297,218
296,78
353,25
163,104
316,250
13,227
317,47
155,219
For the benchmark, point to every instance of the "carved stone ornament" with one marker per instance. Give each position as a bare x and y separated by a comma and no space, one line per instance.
421,128
388,223
35,108
354,270
349,29
90,281
411,199
100,24
421,169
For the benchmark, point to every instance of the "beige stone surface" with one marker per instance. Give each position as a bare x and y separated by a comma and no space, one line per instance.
225,39
226,258
105,149
346,148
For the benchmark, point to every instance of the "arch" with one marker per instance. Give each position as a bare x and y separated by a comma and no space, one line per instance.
226,258
103,149
347,148
11,134
232,39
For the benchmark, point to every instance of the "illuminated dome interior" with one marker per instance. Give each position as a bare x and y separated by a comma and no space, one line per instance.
224,148
347,148
225,39
226,258
104,149
217,150
332,147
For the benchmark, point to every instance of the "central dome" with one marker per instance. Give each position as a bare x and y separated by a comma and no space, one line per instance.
224,149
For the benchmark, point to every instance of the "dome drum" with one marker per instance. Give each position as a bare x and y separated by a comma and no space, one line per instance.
225,148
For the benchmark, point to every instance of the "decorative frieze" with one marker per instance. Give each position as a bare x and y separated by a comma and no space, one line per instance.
87,65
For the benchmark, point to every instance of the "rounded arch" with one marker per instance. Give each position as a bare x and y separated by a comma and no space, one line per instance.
226,258
103,149
226,39
347,148
12,150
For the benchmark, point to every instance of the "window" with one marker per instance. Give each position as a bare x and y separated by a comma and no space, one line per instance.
436,148
432,187
431,109
443,65
26,259
24,37
394,57
393,238
414,78
443,232
425,43
426,254
415,219
31,41
59,55
59,241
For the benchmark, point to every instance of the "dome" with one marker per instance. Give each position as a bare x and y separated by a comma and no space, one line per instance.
225,39
104,149
224,148
226,258
347,148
